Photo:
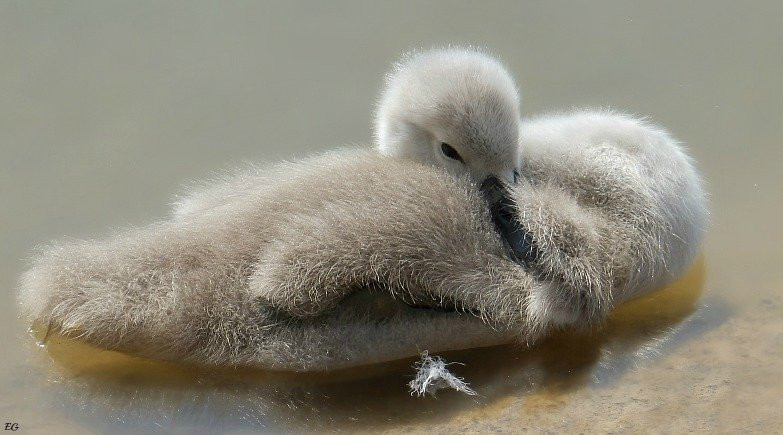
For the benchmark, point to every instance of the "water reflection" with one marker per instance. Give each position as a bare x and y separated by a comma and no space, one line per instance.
119,391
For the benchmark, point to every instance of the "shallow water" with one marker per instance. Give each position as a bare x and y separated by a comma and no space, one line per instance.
106,109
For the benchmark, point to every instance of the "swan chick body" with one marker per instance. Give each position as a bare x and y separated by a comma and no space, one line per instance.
288,277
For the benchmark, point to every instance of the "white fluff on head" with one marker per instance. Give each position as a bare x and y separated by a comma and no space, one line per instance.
456,96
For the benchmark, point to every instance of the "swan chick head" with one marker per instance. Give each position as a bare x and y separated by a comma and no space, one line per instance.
455,108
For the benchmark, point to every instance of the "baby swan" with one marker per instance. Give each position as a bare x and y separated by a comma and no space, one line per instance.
454,108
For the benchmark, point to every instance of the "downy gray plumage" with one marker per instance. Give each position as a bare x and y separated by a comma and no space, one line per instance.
358,256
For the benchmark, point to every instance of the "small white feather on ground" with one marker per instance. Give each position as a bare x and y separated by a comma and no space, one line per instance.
432,375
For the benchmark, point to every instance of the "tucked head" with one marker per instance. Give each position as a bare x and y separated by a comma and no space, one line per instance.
455,108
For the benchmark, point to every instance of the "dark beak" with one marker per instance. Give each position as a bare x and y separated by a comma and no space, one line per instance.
504,215
494,190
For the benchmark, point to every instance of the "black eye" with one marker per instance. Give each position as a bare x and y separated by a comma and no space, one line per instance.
516,176
450,152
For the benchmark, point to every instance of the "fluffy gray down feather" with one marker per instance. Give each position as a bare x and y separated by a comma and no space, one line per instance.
353,257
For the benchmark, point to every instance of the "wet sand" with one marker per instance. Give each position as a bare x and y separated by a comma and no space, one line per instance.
107,110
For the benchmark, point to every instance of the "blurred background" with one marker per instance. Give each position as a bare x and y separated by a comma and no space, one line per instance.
108,108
